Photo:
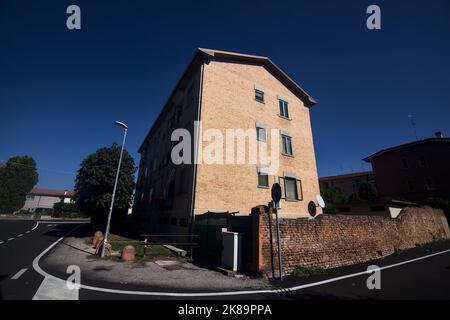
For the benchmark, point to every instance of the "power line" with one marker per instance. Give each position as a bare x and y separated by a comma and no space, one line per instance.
413,124
40,168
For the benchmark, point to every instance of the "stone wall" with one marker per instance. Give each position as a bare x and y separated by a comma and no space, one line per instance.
331,241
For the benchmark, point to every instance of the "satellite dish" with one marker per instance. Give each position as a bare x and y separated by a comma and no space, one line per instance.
320,201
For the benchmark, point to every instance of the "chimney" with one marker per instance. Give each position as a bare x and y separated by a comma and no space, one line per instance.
439,135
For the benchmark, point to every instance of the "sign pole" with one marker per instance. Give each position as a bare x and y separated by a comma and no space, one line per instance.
280,265
276,197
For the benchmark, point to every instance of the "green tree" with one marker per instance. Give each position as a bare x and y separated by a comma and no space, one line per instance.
333,196
62,209
440,203
366,192
95,181
17,177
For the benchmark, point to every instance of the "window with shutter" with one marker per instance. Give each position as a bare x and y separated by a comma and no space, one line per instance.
283,191
299,190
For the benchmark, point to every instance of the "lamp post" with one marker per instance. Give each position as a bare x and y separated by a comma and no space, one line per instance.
105,241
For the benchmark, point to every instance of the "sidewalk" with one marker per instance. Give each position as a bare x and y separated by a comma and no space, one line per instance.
166,275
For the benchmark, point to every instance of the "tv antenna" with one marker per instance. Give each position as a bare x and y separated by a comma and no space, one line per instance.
413,124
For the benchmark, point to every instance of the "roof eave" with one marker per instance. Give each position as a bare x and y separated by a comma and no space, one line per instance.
308,99
205,53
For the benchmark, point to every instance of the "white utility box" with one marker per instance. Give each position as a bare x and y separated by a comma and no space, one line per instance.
231,251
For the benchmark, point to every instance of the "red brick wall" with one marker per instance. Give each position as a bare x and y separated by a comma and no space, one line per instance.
337,240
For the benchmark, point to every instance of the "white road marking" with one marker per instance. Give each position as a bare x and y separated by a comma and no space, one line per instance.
214,294
37,224
55,289
19,274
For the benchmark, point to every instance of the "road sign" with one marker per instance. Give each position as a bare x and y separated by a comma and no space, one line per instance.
276,197
276,192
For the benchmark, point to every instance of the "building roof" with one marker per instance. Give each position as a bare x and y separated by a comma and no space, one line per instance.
405,145
346,176
265,61
203,53
52,192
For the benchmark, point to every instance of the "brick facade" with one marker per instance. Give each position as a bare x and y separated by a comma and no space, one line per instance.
228,102
218,89
332,241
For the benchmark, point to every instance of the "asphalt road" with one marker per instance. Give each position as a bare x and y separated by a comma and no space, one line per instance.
429,278
20,242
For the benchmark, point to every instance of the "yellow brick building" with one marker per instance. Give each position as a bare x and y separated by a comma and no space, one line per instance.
227,91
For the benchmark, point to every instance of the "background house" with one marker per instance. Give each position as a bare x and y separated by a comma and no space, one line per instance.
414,171
349,183
41,200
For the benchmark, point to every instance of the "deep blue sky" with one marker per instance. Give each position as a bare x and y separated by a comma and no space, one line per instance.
61,90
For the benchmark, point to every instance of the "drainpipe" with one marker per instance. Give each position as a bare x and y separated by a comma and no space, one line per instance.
196,134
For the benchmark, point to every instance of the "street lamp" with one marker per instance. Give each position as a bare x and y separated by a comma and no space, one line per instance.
105,241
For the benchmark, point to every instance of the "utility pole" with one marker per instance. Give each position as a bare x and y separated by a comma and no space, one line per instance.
105,241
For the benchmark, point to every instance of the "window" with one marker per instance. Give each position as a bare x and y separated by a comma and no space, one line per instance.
284,109
261,132
429,184
170,195
183,222
190,96
286,141
410,186
179,114
183,182
169,157
29,197
290,188
150,195
422,161
155,164
263,178
259,95
405,163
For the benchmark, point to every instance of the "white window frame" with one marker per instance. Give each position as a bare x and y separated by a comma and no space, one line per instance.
260,90
283,106
265,172
260,126
287,135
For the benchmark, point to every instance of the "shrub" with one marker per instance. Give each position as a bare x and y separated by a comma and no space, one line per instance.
307,271
66,210
439,203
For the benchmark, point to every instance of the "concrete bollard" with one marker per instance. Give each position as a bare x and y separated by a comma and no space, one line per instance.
97,239
128,253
